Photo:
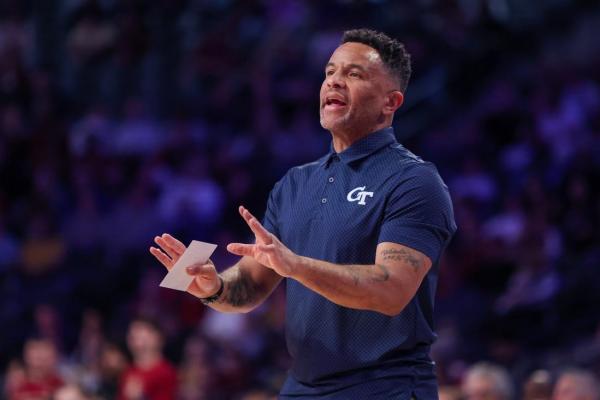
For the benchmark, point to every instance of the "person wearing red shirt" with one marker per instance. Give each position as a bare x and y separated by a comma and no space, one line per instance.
39,379
151,376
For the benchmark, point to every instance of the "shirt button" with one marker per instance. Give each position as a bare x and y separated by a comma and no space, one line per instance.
331,179
323,200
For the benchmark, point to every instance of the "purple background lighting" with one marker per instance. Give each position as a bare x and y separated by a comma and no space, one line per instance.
121,120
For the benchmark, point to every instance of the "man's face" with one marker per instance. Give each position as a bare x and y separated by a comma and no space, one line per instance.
570,387
479,388
355,90
143,338
40,355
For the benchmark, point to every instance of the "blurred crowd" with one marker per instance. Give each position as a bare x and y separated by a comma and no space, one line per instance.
121,120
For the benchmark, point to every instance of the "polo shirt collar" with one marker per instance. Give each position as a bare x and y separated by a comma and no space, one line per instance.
363,147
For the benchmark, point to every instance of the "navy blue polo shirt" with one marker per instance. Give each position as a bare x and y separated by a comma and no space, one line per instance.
338,209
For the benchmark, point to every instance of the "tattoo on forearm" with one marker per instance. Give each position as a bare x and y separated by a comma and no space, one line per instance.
415,260
378,273
240,291
382,275
354,275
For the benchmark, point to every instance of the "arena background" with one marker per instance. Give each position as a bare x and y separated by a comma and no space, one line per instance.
120,120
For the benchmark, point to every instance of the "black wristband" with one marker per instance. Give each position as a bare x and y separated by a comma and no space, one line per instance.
214,297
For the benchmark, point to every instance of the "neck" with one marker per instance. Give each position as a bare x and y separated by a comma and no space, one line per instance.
37,375
146,360
342,139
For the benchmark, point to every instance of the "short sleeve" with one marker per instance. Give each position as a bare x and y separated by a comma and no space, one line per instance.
271,213
419,213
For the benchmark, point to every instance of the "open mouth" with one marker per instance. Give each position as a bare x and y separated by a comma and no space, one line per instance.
334,103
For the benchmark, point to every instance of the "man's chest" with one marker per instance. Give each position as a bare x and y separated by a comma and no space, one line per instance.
334,214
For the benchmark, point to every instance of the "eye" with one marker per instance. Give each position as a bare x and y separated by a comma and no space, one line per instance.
329,72
353,74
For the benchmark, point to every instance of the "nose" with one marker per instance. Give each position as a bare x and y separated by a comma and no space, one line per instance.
335,80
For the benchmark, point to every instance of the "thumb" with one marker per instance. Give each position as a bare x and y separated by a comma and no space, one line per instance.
199,269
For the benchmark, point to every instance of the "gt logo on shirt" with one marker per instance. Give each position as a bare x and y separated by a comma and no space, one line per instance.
359,195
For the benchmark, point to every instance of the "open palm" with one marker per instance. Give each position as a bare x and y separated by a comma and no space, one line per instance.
267,249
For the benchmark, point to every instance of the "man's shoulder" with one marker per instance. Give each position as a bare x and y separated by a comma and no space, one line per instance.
303,171
309,166
296,177
405,164
404,156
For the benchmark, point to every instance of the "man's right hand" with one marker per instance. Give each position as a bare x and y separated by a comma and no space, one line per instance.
206,279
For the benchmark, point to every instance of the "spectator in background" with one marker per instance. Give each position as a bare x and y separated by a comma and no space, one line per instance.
44,249
576,384
486,381
449,393
41,377
194,374
14,376
151,377
538,386
112,365
70,392
84,365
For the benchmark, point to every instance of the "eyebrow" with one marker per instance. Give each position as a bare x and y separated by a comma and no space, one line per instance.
349,66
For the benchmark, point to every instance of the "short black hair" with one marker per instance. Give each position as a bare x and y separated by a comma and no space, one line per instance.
149,321
392,52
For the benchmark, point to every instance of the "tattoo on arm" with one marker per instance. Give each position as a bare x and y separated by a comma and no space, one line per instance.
240,291
382,275
354,274
405,255
378,273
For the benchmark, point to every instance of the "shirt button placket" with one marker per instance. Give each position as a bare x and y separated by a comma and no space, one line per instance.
330,180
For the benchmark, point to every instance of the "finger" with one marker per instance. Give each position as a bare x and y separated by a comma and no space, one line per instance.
266,247
256,227
166,248
241,249
247,215
171,247
174,243
260,231
199,269
162,257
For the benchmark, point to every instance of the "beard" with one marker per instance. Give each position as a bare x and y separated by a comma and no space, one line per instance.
331,122
349,122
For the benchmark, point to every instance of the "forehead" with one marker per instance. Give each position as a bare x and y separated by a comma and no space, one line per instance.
141,326
356,53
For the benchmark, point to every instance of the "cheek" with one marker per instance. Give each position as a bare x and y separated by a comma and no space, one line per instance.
322,91
365,100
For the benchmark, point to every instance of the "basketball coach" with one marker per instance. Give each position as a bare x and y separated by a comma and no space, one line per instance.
357,235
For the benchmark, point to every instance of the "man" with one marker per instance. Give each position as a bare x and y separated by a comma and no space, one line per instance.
576,384
357,234
40,378
538,386
151,377
70,392
485,381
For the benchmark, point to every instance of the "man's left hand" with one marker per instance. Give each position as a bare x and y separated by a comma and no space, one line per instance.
267,249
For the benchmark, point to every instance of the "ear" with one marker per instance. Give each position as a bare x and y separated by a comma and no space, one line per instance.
393,101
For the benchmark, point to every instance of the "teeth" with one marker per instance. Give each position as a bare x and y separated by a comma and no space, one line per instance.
334,101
